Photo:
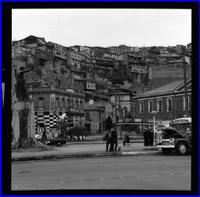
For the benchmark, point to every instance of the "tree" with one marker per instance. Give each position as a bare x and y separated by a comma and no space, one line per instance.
22,110
120,74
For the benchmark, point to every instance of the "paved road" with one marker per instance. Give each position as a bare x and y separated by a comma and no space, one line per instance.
132,172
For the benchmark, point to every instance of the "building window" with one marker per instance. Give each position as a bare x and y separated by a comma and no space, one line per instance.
169,105
159,105
41,102
87,116
77,104
57,102
150,106
81,104
41,62
141,106
52,101
63,102
58,53
125,112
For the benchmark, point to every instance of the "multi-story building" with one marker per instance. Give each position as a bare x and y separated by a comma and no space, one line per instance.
136,64
76,60
95,117
31,42
168,102
121,102
105,66
90,85
49,103
180,48
112,56
51,88
58,50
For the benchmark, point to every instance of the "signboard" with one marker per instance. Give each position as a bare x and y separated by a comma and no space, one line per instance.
139,70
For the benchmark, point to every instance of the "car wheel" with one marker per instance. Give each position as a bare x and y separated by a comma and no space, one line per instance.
182,148
166,151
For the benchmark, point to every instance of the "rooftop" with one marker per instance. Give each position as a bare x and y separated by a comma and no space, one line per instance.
168,88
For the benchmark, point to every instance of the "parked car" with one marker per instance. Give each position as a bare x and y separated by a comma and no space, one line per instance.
169,139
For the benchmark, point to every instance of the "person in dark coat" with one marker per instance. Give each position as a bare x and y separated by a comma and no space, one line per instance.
107,138
114,143
146,137
44,136
151,137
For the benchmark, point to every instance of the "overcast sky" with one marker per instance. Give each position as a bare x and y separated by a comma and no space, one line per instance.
104,27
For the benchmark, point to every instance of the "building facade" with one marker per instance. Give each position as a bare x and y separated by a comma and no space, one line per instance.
50,103
167,102
121,101
94,117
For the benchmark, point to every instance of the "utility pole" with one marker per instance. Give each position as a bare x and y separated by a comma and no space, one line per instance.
185,89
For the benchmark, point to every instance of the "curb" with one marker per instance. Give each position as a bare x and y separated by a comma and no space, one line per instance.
84,155
99,142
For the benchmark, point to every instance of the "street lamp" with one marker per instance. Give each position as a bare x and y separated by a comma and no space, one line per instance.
185,62
154,127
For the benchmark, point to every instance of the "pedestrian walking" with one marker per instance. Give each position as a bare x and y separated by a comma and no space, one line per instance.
107,138
44,136
114,143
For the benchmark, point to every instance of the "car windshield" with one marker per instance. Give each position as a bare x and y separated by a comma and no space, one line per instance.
169,133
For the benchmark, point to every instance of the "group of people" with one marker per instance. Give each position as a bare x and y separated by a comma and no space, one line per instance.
111,140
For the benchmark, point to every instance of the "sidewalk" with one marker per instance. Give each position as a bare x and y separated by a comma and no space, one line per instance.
75,150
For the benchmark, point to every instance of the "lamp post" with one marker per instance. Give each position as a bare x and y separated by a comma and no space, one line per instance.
154,127
185,62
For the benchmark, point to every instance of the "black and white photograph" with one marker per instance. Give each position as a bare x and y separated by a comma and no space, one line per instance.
101,99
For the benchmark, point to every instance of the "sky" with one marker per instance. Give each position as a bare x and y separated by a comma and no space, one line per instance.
104,27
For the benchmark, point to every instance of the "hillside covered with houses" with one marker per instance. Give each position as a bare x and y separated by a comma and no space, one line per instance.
88,83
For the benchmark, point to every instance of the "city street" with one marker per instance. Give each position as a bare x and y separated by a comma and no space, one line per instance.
149,172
